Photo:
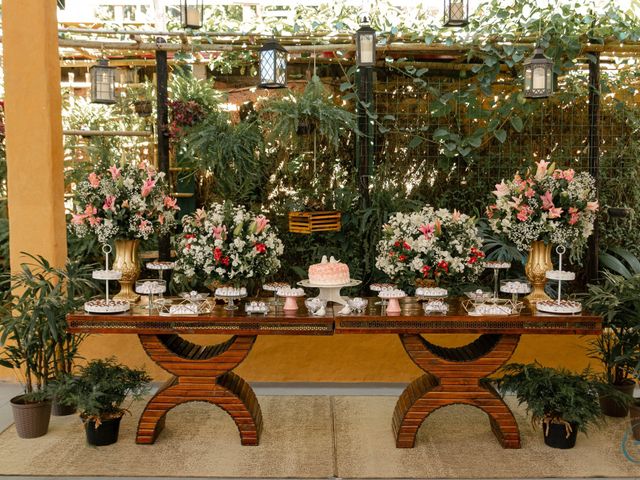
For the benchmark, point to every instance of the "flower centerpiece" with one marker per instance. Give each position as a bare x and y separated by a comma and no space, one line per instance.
544,207
123,203
432,245
227,244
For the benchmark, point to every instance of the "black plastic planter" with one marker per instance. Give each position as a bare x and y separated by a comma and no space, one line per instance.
105,434
556,435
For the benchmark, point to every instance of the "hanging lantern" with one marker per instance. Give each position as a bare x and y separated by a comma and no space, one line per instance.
273,65
456,13
191,13
103,83
365,45
538,75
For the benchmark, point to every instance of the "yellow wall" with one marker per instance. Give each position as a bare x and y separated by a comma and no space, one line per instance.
33,130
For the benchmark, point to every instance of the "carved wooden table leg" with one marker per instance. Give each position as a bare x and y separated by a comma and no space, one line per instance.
453,377
201,374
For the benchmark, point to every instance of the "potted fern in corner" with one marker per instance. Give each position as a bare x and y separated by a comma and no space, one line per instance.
33,334
563,402
98,391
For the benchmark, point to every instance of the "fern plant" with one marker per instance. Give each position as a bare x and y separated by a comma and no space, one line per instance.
553,395
315,109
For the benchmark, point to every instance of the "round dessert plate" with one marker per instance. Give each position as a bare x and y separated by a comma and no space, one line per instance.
560,275
161,265
107,274
308,284
497,265
103,306
431,292
564,306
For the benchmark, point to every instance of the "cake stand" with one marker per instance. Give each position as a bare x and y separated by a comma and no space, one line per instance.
331,293
559,305
274,287
378,287
496,266
107,305
394,297
160,267
515,288
290,295
151,287
230,299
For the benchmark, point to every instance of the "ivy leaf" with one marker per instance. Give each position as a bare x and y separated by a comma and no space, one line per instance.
516,123
415,141
440,134
475,141
501,135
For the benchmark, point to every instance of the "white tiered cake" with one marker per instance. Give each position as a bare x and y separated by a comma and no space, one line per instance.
329,272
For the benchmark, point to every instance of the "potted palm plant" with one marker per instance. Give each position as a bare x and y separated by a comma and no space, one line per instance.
33,333
618,348
563,402
98,391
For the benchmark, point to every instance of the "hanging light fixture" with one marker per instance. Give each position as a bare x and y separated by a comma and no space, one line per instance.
191,13
538,75
456,13
273,65
365,45
103,83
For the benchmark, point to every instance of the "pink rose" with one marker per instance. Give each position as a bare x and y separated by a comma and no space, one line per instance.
94,221
94,180
555,212
569,174
547,201
78,219
147,187
427,230
592,206
541,170
90,210
115,172
524,213
110,203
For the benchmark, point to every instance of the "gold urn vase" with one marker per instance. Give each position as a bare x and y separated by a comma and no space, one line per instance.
128,262
538,263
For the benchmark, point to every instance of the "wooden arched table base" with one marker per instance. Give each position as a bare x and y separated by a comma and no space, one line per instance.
201,374
453,376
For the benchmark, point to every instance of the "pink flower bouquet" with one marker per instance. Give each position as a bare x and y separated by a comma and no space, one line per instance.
227,244
549,204
125,202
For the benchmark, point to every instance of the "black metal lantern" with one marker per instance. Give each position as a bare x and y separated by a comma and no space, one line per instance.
103,83
456,13
538,75
191,13
365,45
273,65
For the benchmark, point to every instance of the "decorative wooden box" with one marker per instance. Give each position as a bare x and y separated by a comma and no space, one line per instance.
309,222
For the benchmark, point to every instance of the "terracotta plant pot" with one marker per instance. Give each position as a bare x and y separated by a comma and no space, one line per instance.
555,435
105,434
634,410
31,419
612,408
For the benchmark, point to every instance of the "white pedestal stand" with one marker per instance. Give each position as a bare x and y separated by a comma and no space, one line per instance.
330,293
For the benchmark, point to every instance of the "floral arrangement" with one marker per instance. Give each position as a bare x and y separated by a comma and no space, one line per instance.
553,205
126,202
183,114
227,244
431,244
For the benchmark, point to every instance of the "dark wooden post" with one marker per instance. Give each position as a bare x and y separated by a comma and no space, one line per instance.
364,141
594,155
162,78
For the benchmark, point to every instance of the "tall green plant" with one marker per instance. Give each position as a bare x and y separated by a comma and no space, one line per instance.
33,321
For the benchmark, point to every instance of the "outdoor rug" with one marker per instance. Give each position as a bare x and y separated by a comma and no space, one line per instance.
319,437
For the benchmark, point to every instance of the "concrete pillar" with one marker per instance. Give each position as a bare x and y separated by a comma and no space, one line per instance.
33,130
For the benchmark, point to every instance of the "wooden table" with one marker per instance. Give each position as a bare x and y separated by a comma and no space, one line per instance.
452,375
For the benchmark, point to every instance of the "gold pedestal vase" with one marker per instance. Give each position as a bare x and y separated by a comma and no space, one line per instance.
538,263
128,262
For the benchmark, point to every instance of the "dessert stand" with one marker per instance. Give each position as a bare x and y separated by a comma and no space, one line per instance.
107,305
331,293
274,287
230,295
378,287
160,267
290,295
515,288
434,300
393,296
151,287
559,305
496,266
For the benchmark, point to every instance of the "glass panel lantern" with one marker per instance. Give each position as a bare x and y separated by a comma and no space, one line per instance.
103,83
365,45
191,13
456,13
538,75
273,65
